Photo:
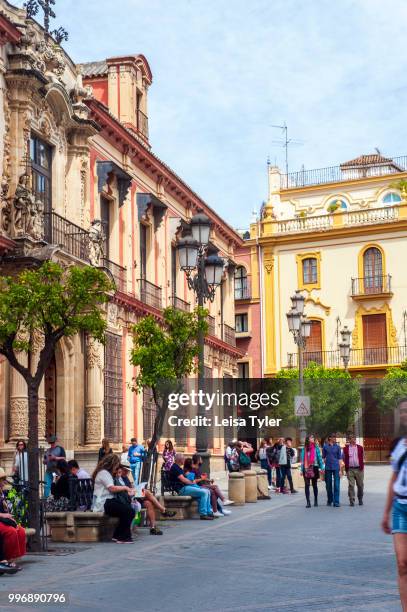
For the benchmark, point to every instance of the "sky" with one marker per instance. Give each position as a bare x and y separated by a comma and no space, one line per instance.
224,72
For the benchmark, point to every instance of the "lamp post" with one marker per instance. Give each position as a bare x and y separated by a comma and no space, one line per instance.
204,274
300,327
344,346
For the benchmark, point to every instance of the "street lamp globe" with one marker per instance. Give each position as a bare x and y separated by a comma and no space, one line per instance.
346,334
200,226
305,327
298,302
294,320
213,270
188,253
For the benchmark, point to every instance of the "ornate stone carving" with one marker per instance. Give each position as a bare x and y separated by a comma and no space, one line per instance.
93,354
18,418
37,341
28,217
5,209
42,417
43,54
112,312
93,424
96,241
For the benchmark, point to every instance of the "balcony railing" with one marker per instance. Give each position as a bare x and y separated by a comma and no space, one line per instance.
211,325
337,174
305,224
72,239
180,304
372,215
229,334
150,294
371,285
382,355
142,124
118,273
242,289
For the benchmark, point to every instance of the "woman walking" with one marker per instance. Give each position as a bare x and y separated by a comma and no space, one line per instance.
311,466
264,462
396,504
168,455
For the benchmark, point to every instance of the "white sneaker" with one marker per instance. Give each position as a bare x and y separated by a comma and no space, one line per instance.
227,502
270,487
217,513
226,512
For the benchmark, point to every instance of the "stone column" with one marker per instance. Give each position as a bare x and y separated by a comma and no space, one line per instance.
94,392
37,346
18,415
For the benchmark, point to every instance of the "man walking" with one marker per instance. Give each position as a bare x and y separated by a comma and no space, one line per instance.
135,456
354,465
287,454
52,457
332,455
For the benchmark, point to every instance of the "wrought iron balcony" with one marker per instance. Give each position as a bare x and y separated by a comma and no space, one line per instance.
229,334
382,355
371,286
242,289
150,294
142,124
180,304
72,239
118,273
211,325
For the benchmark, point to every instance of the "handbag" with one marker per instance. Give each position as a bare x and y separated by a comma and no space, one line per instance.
244,460
309,472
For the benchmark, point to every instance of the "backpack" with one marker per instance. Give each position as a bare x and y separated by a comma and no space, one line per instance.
244,459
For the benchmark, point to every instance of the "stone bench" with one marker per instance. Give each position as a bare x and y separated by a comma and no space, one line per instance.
185,506
83,526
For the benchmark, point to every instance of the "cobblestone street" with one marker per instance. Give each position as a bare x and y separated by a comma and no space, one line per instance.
269,556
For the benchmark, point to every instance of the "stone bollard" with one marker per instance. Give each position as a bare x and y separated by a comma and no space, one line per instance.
237,488
298,480
262,484
250,480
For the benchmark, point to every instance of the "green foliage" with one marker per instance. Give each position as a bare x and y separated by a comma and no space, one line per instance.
333,206
335,398
165,352
392,388
53,301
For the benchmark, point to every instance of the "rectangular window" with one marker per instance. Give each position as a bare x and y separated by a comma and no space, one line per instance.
149,413
113,404
173,271
243,369
241,323
105,218
41,170
309,271
143,251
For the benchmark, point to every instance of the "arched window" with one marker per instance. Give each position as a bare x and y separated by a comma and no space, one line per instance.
337,204
391,198
309,271
241,286
373,270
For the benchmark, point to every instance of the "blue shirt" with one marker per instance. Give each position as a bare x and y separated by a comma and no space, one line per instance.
138,448
332,455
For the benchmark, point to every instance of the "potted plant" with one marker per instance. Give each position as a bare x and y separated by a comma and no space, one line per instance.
333,206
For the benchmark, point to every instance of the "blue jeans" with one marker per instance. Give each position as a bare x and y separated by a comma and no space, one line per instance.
135,470
203,496
265,466
329,475
48,480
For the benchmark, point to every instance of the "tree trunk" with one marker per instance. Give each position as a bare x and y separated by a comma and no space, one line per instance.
33,467
148,474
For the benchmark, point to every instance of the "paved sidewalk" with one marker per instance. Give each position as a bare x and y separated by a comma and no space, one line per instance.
273,555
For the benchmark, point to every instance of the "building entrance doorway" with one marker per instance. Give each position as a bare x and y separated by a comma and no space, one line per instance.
51,399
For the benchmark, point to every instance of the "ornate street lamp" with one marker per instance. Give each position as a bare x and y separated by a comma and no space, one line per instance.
300,327
344,346
204,275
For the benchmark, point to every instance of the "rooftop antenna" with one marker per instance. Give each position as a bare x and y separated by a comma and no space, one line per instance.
285,142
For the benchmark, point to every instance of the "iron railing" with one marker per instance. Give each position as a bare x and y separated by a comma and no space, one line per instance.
211,325
142,124
180,304
118,273
382,355
371,285
337,174
72,239
150,294
229,334
242,289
